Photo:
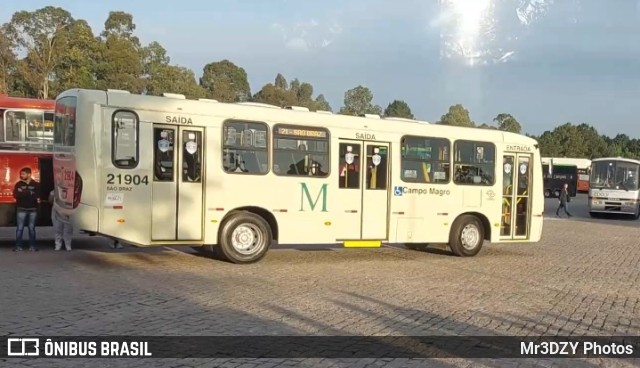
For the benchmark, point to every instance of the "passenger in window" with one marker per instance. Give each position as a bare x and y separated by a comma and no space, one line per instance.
26,192
62,227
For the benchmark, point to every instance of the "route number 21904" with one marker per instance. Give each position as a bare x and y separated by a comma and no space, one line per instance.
127,179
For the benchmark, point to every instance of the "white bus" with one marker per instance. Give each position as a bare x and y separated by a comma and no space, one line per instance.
151,170
613,187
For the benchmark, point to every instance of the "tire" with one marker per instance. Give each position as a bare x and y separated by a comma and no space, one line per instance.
471,228
556,193
244,230
547,193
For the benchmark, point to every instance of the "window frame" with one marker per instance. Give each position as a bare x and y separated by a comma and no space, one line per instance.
449,161
293,126
137,139
75,121
224,146
454,162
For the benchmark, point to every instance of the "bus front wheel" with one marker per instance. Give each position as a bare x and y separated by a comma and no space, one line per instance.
245,237
467,236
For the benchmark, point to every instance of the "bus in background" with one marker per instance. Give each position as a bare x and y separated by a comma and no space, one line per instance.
583,165
556,175
26,140
239,177
614,187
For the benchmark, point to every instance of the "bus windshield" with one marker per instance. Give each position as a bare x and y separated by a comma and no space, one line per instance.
612,174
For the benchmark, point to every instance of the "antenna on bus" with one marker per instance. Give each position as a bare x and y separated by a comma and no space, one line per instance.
296,108
259,104
109,90
174,95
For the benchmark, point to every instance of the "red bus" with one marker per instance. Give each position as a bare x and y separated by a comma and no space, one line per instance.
26,140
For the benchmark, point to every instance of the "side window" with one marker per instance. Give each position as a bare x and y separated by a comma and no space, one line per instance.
377,167
349,177
192,156
124,148
425,160
163,154
300,151
245,148
474,163
64,126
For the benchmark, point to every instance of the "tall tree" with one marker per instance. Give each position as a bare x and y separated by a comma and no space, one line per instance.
154,60
322,103
398,109
226,82
281,82
37,34
297,93
78,62
358,101
121,62
458,116
7,63
508,123
177,79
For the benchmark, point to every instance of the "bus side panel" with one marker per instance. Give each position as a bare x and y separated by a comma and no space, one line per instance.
301,206
126,193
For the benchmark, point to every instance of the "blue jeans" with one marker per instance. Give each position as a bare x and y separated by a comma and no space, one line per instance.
21,217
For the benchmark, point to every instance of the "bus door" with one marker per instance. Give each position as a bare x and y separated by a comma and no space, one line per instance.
516,196
363,190
177,191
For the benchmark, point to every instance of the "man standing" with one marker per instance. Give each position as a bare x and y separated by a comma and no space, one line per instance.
564,199
26,193
62,227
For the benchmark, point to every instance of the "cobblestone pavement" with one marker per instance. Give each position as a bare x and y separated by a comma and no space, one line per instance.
582,279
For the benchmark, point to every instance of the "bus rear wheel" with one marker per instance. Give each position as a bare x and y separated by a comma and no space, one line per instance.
467,236
245,237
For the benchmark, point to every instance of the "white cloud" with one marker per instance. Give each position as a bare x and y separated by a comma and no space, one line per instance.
309,34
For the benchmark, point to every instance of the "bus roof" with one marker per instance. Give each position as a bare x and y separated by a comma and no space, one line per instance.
616,159
7,102
581,163
181,106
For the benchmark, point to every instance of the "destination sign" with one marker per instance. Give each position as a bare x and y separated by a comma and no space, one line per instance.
297,132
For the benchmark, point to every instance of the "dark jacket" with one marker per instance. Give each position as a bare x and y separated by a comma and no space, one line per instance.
26,195
564,196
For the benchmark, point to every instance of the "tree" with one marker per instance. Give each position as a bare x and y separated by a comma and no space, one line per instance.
358,101
322,103
508,123
295,94
7,63
154,61
177,79
37,34
458,116
281,82
77,67
121,55
226,82
399,109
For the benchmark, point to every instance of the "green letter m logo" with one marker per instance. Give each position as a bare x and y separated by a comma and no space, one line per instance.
312,204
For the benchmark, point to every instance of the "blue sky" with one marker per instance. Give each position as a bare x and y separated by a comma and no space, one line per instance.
546,62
